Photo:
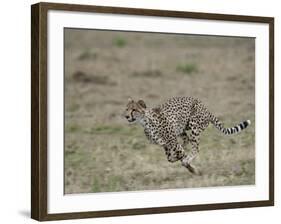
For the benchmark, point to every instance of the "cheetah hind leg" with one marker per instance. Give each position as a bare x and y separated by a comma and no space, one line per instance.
186,160
193,169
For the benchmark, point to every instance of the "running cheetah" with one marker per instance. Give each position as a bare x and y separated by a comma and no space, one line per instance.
164,123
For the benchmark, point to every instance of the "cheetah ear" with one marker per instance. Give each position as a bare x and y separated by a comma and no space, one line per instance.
130,100
142,103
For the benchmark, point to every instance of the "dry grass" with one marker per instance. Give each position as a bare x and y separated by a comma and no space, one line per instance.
102,69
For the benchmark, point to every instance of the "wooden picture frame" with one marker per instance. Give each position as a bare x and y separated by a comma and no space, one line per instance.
39,110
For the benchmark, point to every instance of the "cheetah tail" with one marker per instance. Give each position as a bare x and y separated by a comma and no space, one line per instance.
233,130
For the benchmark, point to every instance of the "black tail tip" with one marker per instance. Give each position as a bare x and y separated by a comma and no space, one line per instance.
246,123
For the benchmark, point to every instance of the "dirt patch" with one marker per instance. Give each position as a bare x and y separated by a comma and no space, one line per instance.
82,77
87,55
147,74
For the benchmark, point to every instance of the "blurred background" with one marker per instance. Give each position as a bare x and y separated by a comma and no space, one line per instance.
103,153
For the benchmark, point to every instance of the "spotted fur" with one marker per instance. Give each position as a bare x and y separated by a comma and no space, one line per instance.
165,123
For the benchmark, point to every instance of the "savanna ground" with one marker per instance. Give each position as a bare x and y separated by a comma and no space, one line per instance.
103,68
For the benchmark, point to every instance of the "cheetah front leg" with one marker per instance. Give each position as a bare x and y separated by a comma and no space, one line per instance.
174,151
185,139
187,159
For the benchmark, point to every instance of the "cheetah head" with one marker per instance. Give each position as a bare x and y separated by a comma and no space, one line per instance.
135,111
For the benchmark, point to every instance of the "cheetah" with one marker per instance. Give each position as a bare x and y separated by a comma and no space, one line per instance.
163,125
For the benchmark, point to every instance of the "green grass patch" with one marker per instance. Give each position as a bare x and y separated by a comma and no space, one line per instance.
112,129
110,185
87,55
119,42
113,183
187,68
70,149
138,143
73,108
77,159
96,185
73,128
